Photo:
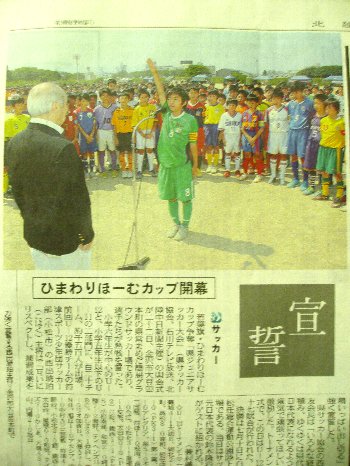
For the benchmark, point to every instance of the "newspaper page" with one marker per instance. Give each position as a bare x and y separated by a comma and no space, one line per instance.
229,347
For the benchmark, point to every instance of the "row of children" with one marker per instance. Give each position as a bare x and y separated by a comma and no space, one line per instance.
268,134
258,131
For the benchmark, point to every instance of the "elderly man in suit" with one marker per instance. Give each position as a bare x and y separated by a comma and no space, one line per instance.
48,183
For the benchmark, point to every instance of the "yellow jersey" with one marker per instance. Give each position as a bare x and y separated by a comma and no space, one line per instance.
14,124
141,112
122,120
213,114
332,132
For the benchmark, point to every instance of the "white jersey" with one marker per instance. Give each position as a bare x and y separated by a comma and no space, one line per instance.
277,119
231,124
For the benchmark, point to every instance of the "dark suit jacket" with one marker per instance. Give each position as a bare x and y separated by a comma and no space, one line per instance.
48,183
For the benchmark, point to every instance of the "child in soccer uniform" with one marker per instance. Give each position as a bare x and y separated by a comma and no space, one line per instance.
301,111
175,181
252,129
313,142
14,123
122,122
86,124
93,101
331,152
276,119
263,105
17,121
213,112
69,124
230,134
159,120
268,95
222,100
145,134
241,98
105,131
197,109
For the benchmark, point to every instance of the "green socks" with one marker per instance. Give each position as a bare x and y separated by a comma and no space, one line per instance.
187,212
174,211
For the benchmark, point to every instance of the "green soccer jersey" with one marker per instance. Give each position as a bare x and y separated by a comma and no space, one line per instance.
176,133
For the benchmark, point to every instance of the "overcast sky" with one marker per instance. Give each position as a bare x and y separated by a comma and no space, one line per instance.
109,48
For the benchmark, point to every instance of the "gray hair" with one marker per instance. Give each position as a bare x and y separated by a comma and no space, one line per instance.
42,96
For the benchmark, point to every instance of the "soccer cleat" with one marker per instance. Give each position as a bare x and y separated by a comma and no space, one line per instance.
271,179
310,190
181,233
171,233
153,173
243,177
337,202
282,181
237,173
227,174
293,184
320,197
343,208
304,185
208,170
129,174
138,175
317,193
213,170
124,174
257,179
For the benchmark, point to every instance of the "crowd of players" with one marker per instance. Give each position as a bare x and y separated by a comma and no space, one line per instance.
243,131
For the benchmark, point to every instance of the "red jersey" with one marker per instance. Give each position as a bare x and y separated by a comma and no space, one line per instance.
69,124
197,110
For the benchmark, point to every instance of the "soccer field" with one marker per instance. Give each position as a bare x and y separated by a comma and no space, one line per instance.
235,225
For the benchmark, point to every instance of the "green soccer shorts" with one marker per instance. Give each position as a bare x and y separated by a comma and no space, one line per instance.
176,183
329,160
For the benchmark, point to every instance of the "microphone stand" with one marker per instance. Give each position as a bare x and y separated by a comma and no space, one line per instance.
139,264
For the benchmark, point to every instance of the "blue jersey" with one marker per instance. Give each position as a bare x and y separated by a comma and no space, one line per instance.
86,120
300,114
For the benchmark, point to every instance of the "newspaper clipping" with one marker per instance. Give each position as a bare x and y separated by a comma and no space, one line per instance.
175,283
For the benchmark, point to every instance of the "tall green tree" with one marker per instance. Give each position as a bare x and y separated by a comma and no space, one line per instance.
193,70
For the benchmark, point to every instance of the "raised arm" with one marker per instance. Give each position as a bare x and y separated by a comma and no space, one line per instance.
157,81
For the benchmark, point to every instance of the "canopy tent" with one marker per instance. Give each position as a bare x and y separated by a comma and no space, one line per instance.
304,79
200,77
